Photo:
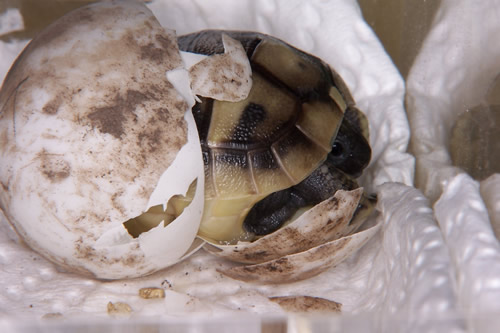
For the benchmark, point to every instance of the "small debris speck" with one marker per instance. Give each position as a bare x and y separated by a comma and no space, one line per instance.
151,292
166,283
52,315
118,308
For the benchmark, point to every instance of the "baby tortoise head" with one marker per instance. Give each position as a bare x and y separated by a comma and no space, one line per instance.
292,143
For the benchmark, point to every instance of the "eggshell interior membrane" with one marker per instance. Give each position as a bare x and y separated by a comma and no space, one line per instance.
89,126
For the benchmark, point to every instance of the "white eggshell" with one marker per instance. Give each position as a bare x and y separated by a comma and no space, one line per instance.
91,133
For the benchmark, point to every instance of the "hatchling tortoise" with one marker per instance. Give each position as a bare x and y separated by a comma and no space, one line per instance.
292,143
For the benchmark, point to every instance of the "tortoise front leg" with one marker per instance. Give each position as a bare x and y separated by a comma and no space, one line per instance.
270,213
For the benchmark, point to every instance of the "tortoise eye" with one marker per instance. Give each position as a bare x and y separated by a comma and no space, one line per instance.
337,149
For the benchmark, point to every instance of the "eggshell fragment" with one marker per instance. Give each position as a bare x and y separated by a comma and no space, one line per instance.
89,128
224,77
325,222
305,264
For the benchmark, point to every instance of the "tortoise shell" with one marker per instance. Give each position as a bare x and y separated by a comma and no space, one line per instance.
274,138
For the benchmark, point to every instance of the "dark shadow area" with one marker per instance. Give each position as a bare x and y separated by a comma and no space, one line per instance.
38,14
401,26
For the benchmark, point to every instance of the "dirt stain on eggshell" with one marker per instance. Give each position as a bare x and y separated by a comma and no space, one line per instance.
54,167
101,257
156,52
110,119
290,268
53,106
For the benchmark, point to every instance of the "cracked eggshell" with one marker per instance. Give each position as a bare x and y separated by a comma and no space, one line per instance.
224,76
319,239
91,135
303,265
